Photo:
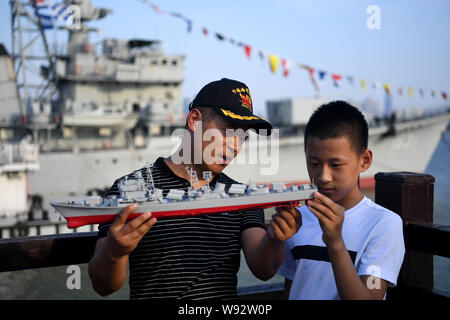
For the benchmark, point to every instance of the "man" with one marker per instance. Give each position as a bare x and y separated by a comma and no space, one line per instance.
195,257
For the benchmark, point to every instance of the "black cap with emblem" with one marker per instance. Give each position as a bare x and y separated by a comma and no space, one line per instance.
231,99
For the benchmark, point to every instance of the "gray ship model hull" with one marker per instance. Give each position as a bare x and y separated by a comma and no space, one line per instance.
84,212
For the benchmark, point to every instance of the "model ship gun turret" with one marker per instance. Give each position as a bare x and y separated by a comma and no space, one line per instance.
180,202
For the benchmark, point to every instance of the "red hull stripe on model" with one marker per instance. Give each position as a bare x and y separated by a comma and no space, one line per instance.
79,221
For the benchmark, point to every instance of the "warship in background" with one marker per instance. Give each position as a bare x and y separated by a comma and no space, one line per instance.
99,110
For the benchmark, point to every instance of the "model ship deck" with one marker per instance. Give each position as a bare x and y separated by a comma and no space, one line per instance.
94,210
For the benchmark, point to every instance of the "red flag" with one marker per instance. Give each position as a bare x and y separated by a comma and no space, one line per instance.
444,95
248,50
311,77
205,31
336,78
400,92
286,67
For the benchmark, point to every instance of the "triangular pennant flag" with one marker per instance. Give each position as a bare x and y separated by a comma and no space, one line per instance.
336,78
400,91
205,31
189,25
376,87
421,92
387,88
444,95
248,50
322,74
220,37
363,85
350,79
273,62
410,92
433,93
261,54
286,64
311,77
157,9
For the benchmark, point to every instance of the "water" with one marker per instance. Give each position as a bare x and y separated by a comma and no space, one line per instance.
439,167
51,283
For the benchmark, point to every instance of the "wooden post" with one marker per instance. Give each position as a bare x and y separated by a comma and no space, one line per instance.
411,196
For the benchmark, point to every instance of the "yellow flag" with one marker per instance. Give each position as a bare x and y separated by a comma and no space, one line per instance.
387,88
364,84
410,92
274,61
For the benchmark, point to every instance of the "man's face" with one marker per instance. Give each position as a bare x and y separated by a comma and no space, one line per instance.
334,166
221,142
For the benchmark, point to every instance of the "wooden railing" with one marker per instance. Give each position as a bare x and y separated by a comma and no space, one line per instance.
408,194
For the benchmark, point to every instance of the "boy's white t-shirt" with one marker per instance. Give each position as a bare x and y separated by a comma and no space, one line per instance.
373,235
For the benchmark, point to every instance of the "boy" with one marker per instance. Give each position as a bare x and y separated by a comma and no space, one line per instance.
194,257
348,247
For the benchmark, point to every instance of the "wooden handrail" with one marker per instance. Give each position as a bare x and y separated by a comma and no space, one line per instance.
429,238
46,251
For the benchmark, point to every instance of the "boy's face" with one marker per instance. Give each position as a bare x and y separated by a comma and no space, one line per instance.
334,166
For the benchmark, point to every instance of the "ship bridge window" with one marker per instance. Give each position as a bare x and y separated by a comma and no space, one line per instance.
174,62
154,62
164,62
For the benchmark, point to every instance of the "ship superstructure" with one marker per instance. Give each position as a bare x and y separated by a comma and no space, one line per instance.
95,95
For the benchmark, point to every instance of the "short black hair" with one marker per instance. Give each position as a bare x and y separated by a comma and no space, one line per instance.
207,114
339,119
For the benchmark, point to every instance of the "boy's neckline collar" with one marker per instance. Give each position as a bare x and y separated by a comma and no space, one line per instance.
356,206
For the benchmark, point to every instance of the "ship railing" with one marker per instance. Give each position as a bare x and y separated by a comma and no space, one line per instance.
408,194
18,153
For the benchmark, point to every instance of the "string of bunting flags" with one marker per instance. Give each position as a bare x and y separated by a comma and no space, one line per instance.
276,61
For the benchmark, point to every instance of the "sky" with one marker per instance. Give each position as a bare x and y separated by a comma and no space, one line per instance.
411,47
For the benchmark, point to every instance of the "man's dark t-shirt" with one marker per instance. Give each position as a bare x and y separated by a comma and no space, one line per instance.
191,257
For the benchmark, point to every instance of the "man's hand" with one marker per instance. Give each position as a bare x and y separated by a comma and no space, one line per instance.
124,237
331,217
285,223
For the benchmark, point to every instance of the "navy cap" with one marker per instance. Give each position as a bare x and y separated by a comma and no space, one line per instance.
231,99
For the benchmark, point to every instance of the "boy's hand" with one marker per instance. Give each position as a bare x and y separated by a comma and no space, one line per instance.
124,237
331,217
285,223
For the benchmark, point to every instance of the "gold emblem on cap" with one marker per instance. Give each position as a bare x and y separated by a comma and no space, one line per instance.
246,100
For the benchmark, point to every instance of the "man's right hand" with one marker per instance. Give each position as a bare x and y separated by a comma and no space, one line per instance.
124,237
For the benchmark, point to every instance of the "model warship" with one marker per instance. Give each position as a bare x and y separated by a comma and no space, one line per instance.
179,202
